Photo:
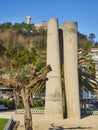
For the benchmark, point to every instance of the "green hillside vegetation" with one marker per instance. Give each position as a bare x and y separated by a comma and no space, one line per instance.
21,44
85,43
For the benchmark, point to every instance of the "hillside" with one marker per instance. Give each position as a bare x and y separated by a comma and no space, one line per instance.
22,44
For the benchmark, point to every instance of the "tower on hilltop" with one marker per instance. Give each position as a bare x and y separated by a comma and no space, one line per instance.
28,19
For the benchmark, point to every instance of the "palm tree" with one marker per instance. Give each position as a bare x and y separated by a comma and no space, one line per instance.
86,72
86,67
91,37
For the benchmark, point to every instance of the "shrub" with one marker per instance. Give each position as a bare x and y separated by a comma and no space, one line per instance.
38,104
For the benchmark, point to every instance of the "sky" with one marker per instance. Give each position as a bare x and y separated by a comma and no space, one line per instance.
84,12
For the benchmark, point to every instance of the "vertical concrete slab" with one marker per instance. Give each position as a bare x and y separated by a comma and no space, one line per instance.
71,69
53,103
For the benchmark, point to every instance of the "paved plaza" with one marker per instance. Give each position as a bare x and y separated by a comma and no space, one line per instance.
40,123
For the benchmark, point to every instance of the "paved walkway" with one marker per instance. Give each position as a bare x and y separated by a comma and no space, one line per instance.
40,123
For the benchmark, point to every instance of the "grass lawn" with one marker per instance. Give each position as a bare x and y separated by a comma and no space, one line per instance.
3,123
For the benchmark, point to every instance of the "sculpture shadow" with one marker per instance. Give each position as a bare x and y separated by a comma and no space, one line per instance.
85,115
69,128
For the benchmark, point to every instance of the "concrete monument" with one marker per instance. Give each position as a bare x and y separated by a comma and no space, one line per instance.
71,69
53,104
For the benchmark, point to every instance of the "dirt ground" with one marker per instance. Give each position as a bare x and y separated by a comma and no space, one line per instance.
41,123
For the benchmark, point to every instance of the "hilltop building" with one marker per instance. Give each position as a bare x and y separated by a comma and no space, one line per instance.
28,19
42,24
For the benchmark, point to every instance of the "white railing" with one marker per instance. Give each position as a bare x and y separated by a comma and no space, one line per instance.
21,111
90,112
5,116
